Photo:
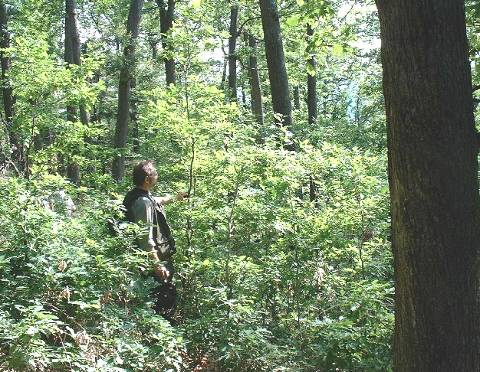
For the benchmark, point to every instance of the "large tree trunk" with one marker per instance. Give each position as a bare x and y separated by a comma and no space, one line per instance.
72,56
254,79
277,71
72,38
7,94
311,80
432,154
167,13
121,129
232,56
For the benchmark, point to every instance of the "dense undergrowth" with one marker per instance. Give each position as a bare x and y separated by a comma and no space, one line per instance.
284,261
267,279
283,258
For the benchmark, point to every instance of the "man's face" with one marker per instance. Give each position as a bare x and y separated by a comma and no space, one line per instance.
150,181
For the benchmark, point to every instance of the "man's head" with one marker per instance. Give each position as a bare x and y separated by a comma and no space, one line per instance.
145,175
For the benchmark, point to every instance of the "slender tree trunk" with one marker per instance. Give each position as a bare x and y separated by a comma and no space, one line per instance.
7,93
95,109
8,100
134,115
311,80
167,13
432,155
224,72
254,79
153,48
121,129
72,56
232,56
244,96
312,189
296,97
277,71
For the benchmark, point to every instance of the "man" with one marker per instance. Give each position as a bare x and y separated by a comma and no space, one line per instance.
157,240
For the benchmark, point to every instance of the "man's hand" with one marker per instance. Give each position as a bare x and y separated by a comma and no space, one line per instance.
181,195
163,200
160,272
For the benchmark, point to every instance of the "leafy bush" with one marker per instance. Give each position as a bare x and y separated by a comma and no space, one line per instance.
72,296
268,279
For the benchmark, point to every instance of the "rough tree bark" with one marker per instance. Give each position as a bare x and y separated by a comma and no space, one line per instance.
254,79
311,80
432,155
167,13
121,129
72,56
7,92
277,71
232,57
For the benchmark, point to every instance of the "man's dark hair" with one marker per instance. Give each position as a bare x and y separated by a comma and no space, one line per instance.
143,169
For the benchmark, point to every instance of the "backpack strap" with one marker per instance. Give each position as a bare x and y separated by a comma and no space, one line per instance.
158,216
160,220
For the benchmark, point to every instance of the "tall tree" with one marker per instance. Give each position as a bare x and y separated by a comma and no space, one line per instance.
72,56
254,78
277,71
167,13
311,79
7,93
432,154
232,56
121,129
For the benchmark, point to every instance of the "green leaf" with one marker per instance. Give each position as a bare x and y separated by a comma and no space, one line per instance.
195,3
293,20
337,50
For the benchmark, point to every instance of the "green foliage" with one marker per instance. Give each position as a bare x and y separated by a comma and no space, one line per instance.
262,263
41,101
283,259
267,279
73,297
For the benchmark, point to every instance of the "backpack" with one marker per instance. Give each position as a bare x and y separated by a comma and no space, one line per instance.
117,226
